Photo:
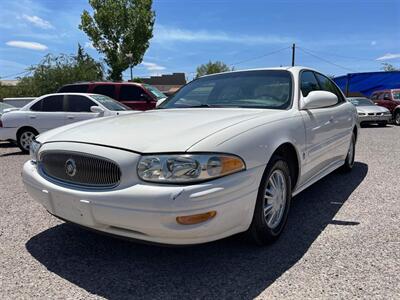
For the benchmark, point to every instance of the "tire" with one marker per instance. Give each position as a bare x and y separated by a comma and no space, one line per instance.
264,228
382,124
24,139
396,118
351,153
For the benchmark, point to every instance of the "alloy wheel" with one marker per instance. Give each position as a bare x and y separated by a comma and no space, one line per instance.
26,139
275,196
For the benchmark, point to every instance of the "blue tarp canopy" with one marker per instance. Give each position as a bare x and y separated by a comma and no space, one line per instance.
367,83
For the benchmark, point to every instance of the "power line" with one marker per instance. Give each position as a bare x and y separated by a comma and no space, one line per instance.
325,60
258,57
342,56
16,74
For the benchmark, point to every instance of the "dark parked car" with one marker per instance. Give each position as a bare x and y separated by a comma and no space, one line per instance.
135,95
389,99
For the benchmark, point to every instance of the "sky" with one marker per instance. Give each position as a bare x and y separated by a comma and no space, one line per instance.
332,36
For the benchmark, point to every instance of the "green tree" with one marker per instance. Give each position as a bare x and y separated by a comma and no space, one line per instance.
119,27
389,67
53,72
211,68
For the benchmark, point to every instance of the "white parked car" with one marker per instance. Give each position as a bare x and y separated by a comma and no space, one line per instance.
55,110
224,155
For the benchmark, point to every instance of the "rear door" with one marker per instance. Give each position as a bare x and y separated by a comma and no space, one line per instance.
135,97
47,113
78,108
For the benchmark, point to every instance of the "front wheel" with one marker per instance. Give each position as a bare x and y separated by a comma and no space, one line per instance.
397,118
25,138
349,162
273,202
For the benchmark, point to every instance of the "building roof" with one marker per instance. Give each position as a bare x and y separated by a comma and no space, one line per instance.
169,79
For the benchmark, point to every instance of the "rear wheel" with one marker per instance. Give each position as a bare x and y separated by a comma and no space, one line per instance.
349,162
25,138
397,118
273,202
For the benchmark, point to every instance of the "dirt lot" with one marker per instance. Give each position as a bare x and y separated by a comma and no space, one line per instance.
342,241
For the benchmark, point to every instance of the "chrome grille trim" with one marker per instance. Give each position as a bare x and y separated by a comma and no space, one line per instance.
92,171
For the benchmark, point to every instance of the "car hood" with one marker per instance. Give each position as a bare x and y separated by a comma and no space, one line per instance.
166,130
371,109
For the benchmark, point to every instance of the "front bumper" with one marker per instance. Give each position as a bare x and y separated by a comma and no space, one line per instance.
148,211
7,133
374,118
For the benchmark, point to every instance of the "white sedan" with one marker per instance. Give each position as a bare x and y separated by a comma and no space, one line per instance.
55,110
224,155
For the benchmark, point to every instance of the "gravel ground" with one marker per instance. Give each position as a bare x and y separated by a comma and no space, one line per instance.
342,241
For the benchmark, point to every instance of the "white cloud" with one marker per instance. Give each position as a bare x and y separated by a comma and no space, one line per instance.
89,45
27,45
388,56
38,22
164,34
152,66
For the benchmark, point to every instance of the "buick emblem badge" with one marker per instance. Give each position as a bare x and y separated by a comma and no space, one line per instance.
70,167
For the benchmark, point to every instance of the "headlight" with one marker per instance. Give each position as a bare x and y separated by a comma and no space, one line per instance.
34,150
186,168
387,113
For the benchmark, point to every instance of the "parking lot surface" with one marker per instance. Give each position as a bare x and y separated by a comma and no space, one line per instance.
342,241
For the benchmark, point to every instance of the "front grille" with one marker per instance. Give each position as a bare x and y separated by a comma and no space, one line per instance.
80,169
371,114
379,114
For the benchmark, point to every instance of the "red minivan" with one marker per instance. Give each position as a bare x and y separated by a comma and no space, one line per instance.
137,96
389,99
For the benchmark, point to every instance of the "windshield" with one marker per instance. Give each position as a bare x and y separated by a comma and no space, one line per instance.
154,91
396,95
109,103
249,89
362,102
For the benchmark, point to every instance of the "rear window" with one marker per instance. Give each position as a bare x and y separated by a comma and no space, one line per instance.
105,89
50,103
74,88
396,95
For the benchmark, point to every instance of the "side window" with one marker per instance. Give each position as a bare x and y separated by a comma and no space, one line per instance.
374,97
53,103
386,96
308,83
105,89
79,103
130,92
37,106
380,97
327,85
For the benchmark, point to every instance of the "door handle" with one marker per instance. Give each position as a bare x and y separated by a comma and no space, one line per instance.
70,117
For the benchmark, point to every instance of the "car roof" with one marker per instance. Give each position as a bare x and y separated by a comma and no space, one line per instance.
284,68
105,83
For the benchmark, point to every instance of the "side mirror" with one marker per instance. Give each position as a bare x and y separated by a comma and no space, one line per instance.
97,109
318,99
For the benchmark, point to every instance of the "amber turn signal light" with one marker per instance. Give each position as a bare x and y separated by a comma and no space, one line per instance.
195,219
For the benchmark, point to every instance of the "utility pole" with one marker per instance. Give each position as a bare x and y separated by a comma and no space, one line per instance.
293,53
130,56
